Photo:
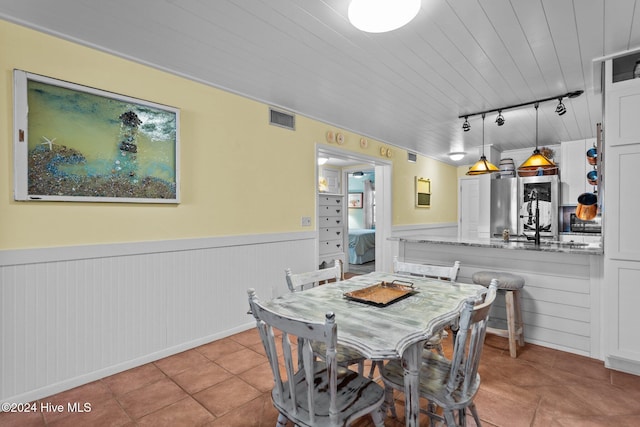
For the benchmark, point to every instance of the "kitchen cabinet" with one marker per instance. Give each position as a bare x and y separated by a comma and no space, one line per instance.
621,283
573,170
331,229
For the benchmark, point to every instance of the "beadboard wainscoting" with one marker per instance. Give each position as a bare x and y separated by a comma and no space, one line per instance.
561,299
71,315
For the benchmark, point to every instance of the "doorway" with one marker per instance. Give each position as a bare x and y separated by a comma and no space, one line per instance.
346,164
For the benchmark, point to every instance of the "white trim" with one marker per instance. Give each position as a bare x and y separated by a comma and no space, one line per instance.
39,255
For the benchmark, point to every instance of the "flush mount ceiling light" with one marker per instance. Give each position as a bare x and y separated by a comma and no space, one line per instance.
457,155
500,118
380,16
466,126
561,109
322,160
482,166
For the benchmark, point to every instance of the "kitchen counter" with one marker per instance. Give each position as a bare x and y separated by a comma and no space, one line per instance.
515,243
563,281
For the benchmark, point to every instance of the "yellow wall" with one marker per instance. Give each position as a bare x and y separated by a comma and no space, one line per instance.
239,175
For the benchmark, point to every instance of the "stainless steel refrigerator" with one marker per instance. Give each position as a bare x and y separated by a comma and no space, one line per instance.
504,206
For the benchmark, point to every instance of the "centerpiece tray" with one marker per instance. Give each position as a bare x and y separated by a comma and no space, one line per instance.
383,293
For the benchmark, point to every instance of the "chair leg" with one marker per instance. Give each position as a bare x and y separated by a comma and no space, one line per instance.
361,367
511,323
474,412
389,404
517,301
378,418
282,421
374,363
450,418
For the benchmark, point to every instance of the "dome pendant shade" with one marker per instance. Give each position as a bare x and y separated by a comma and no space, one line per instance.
537,163
380,16
482,166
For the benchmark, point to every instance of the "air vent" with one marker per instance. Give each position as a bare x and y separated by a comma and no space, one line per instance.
282,119
412,157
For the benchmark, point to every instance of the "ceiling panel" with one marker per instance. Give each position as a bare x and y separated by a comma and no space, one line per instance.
406,87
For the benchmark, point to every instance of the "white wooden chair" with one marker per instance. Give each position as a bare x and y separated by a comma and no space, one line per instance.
313,393
449,384
425,270
437,272
302,281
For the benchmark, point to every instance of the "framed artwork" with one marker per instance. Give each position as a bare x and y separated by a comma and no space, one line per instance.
355,200
423,192
76,143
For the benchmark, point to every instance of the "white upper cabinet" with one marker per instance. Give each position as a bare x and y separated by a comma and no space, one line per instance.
574,169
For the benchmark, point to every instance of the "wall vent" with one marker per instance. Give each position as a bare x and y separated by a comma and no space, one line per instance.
412,157
282,119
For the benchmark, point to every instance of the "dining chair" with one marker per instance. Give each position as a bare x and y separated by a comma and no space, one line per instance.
303,281
425,270
313,392
449,384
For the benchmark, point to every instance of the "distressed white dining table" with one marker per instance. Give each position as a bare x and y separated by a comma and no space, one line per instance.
382,333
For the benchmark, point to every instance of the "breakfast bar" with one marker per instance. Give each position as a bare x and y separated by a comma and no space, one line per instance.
561,301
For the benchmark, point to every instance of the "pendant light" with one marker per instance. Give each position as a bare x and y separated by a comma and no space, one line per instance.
537,163
482,166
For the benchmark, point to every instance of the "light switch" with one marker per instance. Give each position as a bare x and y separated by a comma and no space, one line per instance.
306,221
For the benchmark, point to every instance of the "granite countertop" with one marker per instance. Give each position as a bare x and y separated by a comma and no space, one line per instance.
516,244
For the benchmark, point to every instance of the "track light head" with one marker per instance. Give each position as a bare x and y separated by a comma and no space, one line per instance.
500,118
466,126
561,109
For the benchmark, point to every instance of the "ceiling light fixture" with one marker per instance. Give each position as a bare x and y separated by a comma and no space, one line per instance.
561,109
537,163
466,126
457,155
482,166
500,118
380,16
573,94
322,160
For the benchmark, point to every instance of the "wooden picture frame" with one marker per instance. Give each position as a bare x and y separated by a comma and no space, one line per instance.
355,200
423,192
77,143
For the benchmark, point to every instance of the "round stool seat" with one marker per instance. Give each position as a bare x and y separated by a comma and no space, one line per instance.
506,281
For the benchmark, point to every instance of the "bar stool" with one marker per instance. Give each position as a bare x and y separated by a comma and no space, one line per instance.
510,285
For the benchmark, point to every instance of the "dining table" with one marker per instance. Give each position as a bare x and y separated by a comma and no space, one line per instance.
389,328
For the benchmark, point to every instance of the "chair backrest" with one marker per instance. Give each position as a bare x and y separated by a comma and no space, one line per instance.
290,396
426,270
466,355
310,279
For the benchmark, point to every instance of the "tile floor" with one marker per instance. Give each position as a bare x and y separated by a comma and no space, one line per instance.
227,382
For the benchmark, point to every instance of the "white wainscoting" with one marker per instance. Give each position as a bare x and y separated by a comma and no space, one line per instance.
71,315
561,300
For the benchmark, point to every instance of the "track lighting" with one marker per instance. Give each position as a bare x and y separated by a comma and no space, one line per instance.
561,109
466,126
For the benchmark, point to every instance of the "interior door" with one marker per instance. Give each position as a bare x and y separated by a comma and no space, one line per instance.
468,208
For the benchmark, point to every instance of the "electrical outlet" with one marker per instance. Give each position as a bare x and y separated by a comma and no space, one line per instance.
306,221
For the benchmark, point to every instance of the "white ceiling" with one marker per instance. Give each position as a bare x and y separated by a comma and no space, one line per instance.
406,88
